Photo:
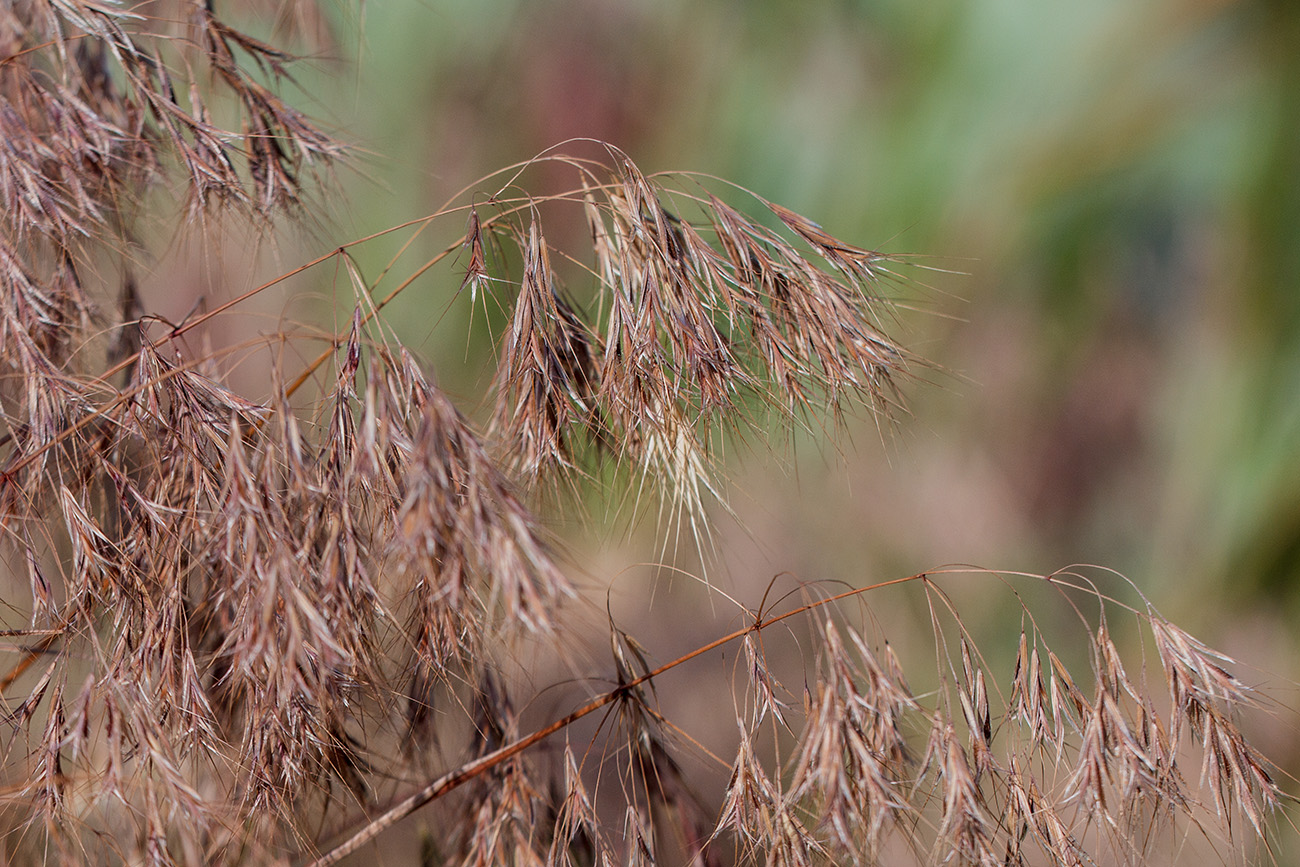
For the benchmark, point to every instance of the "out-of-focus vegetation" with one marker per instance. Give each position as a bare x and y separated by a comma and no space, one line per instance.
1108,195
1117,182
1118,185
1090,212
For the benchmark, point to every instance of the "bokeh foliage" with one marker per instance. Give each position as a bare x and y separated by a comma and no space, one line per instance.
1117,181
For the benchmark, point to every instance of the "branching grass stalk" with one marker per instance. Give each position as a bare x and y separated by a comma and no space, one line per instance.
242,622
452,780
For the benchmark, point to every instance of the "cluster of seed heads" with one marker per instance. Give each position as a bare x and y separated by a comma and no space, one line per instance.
267,628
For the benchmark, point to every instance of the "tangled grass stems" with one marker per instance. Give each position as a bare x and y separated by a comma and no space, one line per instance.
855,767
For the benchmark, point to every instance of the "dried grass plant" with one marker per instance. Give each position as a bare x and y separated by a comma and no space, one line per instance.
241,632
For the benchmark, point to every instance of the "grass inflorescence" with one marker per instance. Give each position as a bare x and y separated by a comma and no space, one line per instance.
269,628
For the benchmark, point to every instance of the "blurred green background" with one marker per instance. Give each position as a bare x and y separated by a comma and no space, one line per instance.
1117,183
1101,202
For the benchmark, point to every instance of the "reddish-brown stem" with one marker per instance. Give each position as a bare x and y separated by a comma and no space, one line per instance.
447,782
379,305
